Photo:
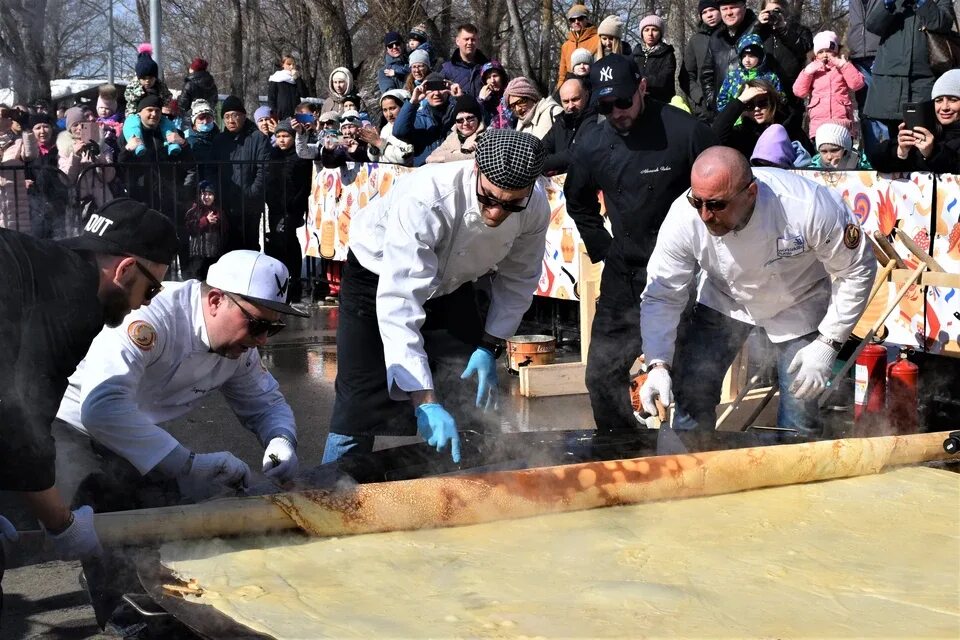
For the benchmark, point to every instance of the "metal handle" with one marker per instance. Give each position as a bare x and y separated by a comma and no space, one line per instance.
129,599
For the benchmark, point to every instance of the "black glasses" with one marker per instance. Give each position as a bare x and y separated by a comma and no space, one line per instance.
155,285
714,205
577,19
258,326
394,45
465,119
606,107
489,201
761,103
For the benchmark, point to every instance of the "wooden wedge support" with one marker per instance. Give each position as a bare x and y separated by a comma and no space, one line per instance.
908,242
564,379
884,244
465,500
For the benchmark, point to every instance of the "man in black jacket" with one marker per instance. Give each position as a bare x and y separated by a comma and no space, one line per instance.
694,55
288,192
786,43
198,85
577,116
242,153
722,51
640,158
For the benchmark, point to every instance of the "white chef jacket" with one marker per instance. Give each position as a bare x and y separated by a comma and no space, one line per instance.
134,378
775,272
426,239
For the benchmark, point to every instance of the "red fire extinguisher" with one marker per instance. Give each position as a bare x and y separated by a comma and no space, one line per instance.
902,377
870,382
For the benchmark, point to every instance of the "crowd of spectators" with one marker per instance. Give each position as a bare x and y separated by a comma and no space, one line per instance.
766,84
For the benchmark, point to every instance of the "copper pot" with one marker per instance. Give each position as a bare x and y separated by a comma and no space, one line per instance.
526,350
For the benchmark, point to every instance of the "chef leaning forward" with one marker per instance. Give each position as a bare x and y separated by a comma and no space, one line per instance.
194,339
407,300
777,251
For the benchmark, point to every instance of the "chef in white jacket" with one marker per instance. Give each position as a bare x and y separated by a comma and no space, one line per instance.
775,250
407,300
196,338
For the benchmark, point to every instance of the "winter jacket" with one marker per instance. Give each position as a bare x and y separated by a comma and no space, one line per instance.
288,186
201,144
659,67
559,140
852,161
465,74
786,48
774,148
694,55
540,119
944,159
739,75
199,85
284,93
164,182
742,133
901,70
206,240
828,87
860,42
392,149
456,148
640,175
334,101
721,57
15,152
242,185
587,38
424,127
91,175
400,70
134,92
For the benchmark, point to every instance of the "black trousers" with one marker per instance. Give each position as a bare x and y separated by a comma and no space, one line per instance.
451,331
614,346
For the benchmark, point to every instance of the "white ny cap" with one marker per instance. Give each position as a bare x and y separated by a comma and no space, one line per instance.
256,277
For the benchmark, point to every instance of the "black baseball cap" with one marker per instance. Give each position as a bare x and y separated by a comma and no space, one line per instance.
126,227
614,76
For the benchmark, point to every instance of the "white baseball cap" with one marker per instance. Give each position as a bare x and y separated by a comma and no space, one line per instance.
256,277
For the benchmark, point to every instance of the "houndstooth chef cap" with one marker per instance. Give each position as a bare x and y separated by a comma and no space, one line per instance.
510,159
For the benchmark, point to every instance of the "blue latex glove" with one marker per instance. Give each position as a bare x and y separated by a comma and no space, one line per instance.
438,427
484,365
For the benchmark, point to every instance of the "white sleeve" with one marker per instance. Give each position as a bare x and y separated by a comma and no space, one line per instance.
112,373
304,148
853,269
518,273
396,151
254,395
670,272
408,276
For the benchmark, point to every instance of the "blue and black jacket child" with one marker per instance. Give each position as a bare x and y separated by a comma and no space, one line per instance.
739,75
396,61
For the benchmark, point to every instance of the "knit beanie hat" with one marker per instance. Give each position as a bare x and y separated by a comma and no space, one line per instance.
835,134
774,148
349,117
653,20
329,116
947,85
468,104
419,56
391,37
284,125
262,112
107,97
611,26
581,56
198,64
200,107
419,32
146,67
232,103
521,87
73,116
40,118
149,100
826,40
206,186
703,5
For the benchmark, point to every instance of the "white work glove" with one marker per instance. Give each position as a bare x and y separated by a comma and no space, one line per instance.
79,540
814,363
286,463
210,471
8,532
657,384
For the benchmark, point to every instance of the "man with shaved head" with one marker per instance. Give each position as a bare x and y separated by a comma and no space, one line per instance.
577,117
776,251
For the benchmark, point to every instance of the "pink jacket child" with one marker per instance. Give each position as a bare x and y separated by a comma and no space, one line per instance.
828,80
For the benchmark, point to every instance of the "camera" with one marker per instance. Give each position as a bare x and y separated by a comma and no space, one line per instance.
90,147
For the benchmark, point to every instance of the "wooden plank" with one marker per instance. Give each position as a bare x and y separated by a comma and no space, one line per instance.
565,379
736,377
928,279
589,287
908,242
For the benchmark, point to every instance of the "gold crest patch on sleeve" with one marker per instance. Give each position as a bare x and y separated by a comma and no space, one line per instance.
143,334
852,235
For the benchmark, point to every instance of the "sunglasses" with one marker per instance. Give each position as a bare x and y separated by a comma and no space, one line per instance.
258,326
606,107
465,119
155,285
489,201
577,19
757,104
394,45
517,103
714,205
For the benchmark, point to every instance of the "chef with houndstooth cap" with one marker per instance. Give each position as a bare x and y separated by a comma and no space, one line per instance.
407,305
